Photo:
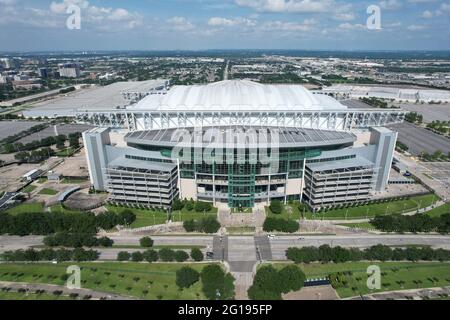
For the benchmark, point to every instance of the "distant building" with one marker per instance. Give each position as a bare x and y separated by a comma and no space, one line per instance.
69,70
32,175
54,177
44,72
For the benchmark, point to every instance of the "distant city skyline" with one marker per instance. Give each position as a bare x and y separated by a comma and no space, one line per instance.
40,25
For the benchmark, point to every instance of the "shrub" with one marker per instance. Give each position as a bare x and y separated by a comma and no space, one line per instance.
181,256
197,255
151,256
202,206
137,256
189,225
281,225
177,205
123,256
276,207
186,277
166,255
146,242
209,225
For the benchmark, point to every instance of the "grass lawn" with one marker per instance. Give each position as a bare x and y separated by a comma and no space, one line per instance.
119,278
372,210
144,217
439,211
27,207
290,212
394,275
29,189
30,296
42,180
68,152
48,192
183,215
73,181
60,209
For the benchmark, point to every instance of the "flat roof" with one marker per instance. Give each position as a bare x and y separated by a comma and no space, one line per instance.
340,164
139,164
248,136
95,98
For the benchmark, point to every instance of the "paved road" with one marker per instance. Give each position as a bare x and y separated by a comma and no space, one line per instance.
240,251
280,244
6,198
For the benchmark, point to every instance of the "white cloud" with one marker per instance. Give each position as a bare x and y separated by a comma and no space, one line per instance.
349,26
226,22
416,27
180,24
293,6
390,4
427,14
349,16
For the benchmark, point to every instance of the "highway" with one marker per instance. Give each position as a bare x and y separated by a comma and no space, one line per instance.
247,248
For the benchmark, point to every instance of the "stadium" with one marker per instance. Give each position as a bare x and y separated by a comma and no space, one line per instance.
239,143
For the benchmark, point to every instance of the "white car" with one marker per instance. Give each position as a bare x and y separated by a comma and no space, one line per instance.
272,237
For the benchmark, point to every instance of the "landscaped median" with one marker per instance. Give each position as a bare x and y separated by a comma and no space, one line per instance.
144,281
401,268
350,279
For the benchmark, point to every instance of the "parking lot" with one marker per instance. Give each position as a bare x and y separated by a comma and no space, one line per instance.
10,128
439,172
53,131
430,112
420,140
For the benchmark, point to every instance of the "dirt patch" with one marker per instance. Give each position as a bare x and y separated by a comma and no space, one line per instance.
84,201
313,293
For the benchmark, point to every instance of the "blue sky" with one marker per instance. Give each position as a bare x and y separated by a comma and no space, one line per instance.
31,25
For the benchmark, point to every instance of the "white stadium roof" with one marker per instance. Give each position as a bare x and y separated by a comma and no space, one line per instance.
238,95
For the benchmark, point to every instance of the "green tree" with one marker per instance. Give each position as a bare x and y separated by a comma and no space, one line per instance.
216,284
166,255
186,277
276,207
181,256
146,242
151,255
197,255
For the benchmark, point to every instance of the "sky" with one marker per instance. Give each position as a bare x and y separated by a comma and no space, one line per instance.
41,25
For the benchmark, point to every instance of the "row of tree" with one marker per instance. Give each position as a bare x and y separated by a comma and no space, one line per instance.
76,240
61,255
270,283
166,255
204,225
281,225
46,223
326,254
415,223
189,205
